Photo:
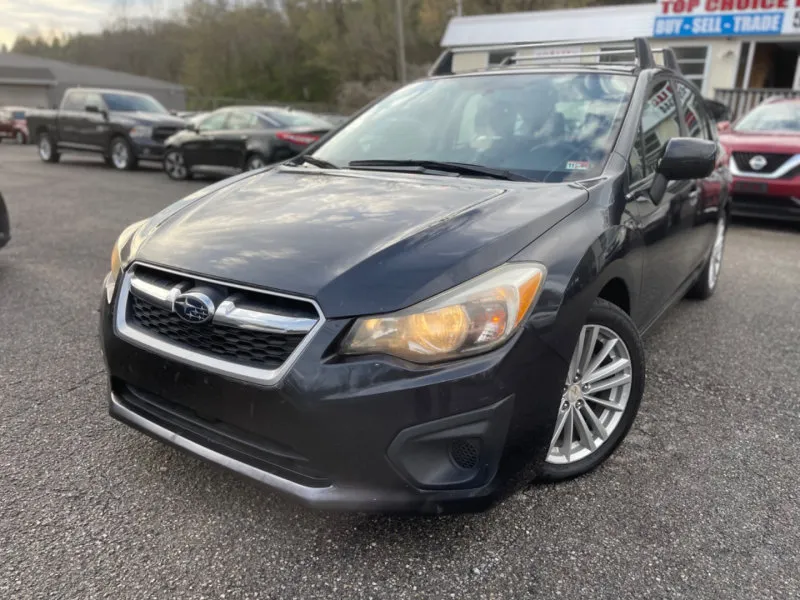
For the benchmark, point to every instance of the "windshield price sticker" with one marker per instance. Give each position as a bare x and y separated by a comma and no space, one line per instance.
698,18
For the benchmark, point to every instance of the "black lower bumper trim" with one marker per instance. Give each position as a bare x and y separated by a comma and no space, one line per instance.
258,452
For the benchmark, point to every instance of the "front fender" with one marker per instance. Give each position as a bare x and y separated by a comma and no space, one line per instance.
582,254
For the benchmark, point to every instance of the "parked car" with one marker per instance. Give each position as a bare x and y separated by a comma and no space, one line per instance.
765,160
5,225
123,127
442,299
241,138
13,124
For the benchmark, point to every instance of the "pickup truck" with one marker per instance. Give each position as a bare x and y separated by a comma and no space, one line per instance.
124,127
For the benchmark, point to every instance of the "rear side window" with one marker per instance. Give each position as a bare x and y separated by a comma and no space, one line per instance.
243,120
214,122
694,115
74,101
660,123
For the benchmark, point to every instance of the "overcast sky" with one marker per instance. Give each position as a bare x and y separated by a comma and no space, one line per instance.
68,16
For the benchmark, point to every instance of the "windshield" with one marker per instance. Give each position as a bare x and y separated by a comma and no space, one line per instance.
294,118
547,127
780,116
131,103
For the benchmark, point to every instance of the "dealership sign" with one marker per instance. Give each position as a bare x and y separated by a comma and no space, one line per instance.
725,18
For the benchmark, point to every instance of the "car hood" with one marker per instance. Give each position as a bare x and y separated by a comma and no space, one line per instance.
358,242
784,143
147,118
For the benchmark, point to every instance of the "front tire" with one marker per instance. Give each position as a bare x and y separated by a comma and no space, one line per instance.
47,148
175,165
706,284
121,154
602,393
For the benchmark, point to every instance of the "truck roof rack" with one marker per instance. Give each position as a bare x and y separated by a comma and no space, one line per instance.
670,58
638,47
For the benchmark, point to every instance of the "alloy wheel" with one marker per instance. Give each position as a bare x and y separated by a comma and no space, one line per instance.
716,254
174,165
45,148
595,395
120,155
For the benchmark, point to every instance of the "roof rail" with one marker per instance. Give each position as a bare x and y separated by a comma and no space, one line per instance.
670,58
638,47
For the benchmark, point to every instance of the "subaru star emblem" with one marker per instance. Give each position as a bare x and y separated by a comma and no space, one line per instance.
193,307
758,162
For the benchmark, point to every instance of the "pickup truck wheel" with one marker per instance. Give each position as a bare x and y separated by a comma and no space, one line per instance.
175,166
122,156
47,149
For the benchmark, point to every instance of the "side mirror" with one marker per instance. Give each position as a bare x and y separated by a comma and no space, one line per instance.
723,126
91,108
683,158
687,158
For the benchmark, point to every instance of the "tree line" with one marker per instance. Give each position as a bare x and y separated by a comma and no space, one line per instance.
335,52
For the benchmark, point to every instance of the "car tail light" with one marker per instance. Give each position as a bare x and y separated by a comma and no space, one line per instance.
302,139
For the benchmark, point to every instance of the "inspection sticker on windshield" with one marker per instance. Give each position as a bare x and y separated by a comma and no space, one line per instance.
578,165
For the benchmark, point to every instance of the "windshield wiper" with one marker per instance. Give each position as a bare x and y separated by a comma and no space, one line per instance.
433,165
317,162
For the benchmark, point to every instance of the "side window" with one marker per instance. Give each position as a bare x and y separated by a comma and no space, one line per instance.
93,99
660,123
214,121
74,101
694,113
242,120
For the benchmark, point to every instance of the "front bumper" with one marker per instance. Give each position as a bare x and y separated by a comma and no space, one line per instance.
373,434
767,198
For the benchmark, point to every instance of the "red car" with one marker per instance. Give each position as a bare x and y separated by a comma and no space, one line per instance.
765,160
13,124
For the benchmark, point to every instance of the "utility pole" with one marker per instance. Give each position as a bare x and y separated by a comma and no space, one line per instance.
459,7
401,43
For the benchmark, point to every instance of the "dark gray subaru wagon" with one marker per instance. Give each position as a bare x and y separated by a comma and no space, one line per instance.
442,299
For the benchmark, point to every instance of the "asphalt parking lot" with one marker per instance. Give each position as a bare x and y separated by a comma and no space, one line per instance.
701,501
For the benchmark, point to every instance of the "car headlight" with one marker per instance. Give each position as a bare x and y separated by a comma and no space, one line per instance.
120,257
141,131
473,317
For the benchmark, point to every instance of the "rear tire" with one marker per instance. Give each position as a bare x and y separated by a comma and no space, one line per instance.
121,154
47,148
706,284
602,393
175,165
254,161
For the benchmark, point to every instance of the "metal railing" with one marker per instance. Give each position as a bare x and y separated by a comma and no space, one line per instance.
742,101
